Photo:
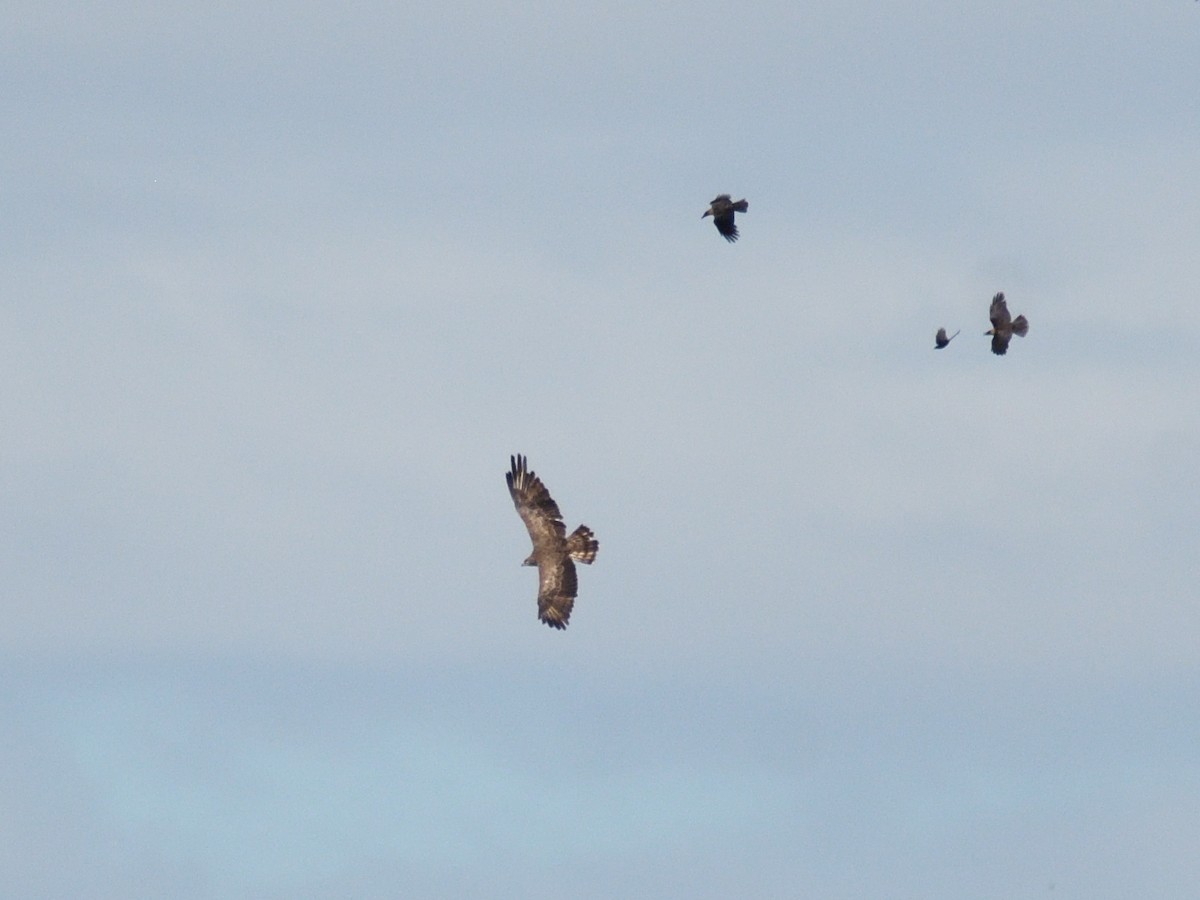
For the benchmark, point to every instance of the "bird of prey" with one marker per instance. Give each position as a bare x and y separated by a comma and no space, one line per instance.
722,210
553,549
1004,326
940,340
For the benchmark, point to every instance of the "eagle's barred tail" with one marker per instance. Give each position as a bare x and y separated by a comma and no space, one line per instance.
1020,326
741,206
582,545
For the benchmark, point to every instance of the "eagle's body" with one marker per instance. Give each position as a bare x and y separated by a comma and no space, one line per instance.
940,340
553,549
722,210
1004,326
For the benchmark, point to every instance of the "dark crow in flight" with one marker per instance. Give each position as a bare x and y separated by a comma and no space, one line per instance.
940,341
722,210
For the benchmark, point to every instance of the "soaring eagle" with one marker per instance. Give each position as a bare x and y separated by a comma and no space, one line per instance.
940,340
1004,326
722,210
553,550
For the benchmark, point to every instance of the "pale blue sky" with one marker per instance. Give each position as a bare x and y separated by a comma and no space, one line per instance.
283,287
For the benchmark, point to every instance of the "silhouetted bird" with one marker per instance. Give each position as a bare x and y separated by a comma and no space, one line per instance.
553,549
941,340
1004,326
722,210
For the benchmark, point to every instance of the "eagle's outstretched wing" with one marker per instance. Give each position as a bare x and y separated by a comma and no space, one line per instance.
536,507
999,312
557,589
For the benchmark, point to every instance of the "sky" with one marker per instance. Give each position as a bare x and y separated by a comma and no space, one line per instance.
284,285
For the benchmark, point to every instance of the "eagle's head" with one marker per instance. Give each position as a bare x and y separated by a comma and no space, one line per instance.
529,561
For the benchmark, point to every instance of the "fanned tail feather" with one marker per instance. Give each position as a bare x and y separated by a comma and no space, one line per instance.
582,545
1020,326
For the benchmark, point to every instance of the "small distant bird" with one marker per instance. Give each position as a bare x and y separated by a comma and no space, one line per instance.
722,210
940,340
553,550
1004,326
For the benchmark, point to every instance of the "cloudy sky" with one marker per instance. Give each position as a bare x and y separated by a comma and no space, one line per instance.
283,285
